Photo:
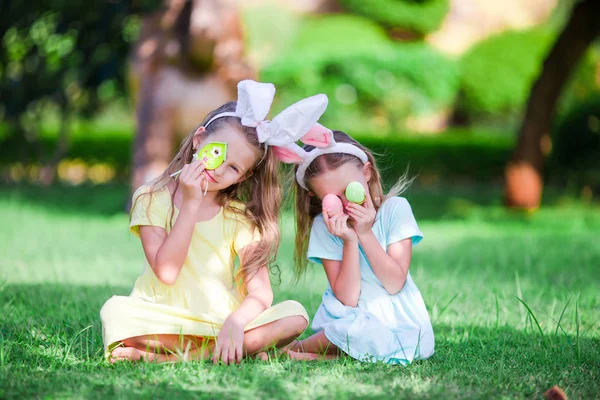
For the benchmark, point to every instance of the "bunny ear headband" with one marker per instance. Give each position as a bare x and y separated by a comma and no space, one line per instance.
322,139
253,104
298,122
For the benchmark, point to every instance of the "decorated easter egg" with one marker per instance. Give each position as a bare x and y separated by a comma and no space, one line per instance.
213,154
355,192
333,204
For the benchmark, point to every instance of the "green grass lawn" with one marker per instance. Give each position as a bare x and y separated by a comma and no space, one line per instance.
65,251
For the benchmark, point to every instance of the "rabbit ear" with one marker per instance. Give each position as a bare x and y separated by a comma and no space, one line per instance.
291,154
318,136
254,101
293,122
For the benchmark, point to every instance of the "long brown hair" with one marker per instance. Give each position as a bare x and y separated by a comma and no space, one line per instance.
260,192
309,206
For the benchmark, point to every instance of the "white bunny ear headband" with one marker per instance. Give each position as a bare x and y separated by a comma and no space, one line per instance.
298,122
322,139
253,104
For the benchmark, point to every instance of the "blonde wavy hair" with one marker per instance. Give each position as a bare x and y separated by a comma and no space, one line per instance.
260,192
309,206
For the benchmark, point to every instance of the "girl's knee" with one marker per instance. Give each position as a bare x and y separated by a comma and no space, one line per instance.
297,323
109,308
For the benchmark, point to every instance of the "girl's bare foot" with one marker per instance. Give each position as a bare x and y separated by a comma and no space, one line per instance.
295,345
296,355
125,354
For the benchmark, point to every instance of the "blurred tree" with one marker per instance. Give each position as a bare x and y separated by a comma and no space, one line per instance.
402,17
187,62
470,21
575,158
374,84
524,172
514,59
64,56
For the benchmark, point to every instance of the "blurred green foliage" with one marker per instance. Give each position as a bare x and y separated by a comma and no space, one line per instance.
69,58
459,154
584,84
63,56
373,84
497,73
575,158
418,16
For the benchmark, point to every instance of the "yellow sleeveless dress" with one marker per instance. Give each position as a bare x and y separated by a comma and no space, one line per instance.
204,294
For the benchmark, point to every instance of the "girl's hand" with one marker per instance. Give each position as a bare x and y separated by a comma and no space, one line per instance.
193,181
230,343
338,226
363,216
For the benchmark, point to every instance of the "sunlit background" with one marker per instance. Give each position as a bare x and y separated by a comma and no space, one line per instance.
447,81
493,106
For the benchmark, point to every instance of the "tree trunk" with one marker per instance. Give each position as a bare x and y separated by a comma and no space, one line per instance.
523,174
153,143
187,62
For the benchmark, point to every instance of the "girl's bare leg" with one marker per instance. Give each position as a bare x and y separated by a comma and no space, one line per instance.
276,334
315,347
161,348
133,354
294,355
317,343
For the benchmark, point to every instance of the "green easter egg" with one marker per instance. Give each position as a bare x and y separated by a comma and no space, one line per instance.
355,192
213,154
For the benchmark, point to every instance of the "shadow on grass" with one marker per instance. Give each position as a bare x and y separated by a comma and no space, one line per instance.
86,199
51,345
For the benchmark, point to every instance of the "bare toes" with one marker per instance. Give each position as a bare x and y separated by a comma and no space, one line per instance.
296,355
125,354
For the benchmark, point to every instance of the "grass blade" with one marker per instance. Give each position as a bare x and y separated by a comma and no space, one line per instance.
519,293
447,304
497,311
577,343
560,318
535,319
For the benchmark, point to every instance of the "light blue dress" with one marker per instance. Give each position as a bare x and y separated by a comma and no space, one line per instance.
391,328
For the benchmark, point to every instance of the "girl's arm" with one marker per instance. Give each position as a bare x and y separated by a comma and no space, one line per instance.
230,340
390,267
259,298
166,253
343,276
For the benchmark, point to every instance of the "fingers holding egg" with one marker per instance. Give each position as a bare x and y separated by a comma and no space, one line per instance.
332,204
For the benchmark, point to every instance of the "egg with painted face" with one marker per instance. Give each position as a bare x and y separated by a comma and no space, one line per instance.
355,192
213,154
332,204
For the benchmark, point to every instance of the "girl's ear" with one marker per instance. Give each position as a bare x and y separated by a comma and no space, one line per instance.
198,136
367,171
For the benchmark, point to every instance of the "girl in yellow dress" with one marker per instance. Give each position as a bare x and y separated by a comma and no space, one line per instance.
193,221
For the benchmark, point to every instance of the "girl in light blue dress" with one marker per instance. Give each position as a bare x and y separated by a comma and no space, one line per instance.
372,310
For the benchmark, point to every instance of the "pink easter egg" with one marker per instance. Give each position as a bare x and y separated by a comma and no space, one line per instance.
333,204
